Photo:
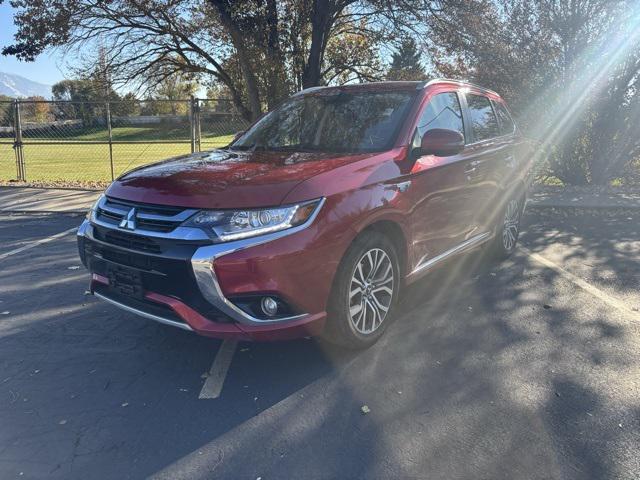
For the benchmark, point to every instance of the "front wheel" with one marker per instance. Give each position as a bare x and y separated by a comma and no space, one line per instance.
365,292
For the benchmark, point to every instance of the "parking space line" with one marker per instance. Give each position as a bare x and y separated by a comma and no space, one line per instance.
35,243
218,372
587,287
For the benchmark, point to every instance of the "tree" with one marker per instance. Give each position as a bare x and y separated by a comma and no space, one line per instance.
172,91
35,109
128,105
570,71
406,63
260,50
84,98
6,111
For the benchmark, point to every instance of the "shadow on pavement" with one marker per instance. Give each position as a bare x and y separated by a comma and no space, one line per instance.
475,379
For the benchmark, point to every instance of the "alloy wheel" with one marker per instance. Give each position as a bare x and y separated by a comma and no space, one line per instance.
370,291
511,225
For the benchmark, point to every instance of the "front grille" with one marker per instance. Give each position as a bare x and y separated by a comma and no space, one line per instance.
156,218
132,242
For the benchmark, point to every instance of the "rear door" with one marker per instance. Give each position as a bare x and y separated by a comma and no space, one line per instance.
512,169
491,152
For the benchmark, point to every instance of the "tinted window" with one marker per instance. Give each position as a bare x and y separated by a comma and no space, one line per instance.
335,121
483,121
443,111
506,123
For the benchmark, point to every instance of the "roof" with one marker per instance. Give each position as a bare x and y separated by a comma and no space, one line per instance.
369,86
396,86
460,83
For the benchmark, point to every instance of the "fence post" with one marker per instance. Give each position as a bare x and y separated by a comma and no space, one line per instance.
192,126
198,132
110,139
17,144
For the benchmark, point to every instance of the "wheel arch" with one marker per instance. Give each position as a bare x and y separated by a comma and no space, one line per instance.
392,230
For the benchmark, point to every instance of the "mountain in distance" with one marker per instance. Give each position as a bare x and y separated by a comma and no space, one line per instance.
17,86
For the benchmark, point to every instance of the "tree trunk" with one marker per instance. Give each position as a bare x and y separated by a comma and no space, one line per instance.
321,23
276,78
248,74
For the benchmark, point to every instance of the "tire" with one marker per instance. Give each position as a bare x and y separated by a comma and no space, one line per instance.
507,228
356,316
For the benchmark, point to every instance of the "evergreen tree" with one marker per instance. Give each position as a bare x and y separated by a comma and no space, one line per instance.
405,62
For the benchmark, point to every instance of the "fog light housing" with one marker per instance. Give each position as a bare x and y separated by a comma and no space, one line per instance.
269,306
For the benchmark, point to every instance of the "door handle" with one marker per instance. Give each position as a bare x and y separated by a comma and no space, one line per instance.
402,186
471,167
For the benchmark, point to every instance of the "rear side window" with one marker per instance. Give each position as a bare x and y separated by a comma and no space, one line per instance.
484,123
506,123
443,111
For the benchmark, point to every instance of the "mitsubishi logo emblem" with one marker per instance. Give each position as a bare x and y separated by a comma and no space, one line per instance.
128,222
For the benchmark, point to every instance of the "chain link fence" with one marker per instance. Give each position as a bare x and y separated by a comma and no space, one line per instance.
91,143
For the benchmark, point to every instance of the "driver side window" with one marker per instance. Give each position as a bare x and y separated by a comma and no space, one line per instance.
442,111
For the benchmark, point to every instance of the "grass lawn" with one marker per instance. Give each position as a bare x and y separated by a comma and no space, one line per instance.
77,162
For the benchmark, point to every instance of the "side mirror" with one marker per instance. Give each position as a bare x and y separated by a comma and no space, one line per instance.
441,142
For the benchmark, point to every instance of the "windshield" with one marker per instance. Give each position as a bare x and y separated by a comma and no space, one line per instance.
333,122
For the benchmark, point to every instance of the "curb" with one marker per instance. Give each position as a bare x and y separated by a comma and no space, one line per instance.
40,187
584,208
44,212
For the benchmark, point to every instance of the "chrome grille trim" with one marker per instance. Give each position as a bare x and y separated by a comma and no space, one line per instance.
111,211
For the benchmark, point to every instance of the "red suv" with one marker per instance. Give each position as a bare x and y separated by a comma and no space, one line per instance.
314,219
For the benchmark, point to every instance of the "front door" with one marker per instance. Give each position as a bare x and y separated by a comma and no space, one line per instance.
443,189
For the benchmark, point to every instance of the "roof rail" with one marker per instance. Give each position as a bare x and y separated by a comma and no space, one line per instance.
308,89
459,82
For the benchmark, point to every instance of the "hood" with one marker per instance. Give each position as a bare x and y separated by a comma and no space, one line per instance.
224,178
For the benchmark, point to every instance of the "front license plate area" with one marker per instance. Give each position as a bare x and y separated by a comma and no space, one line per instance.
125,281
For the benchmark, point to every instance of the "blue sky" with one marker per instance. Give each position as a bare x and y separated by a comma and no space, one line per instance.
46,69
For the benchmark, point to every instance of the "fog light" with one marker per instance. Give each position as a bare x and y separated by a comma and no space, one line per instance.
269,306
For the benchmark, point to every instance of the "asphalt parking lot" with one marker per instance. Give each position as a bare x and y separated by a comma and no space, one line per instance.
525,369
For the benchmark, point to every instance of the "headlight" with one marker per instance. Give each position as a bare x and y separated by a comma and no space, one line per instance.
94,207
237,224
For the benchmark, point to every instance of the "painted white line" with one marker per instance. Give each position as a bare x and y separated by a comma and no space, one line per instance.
218,372
587,287
35,243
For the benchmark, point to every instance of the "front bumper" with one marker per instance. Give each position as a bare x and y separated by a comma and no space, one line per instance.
192,285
